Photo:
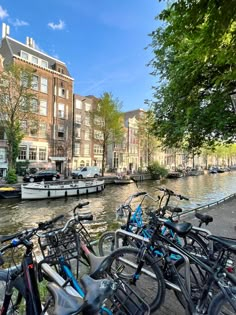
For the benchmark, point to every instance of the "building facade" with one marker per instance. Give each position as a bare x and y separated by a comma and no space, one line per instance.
50,144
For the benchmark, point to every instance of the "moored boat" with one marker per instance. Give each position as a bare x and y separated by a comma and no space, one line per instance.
10,192
123,181
48,191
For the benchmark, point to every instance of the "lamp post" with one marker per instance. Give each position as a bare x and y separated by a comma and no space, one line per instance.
233,100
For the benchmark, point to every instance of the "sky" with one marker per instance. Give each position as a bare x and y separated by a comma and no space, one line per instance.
102,42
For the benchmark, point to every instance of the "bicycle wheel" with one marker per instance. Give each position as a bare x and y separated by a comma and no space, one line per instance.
149,284
106,243
221,306
194,244
17,304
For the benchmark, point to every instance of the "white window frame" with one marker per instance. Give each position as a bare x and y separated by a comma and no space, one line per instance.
61,129
22,53
77,149
43,108
77,132
35,84
42,130
61,111
42,153
78,118
88,107
44,85
44,63
78,104
87,149
36,59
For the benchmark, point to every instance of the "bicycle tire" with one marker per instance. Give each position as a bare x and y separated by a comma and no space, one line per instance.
106,243
150,284
194,244
18,290
220,305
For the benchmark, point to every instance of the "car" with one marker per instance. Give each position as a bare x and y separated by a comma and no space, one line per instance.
87,171
46,175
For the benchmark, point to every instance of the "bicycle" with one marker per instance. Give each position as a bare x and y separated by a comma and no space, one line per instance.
62,245
196,299
23,279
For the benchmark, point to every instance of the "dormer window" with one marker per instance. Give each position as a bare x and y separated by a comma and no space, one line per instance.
24,55
35,60
44,63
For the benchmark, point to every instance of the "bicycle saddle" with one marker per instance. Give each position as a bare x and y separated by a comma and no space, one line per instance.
205,218
180,228
96,292
226,242
64,302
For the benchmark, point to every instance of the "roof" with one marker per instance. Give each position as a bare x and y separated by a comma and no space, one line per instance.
16,47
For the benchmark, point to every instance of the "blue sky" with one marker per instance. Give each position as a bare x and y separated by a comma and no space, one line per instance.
101,41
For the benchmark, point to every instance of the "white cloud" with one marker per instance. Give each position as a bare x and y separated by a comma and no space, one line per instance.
18,23
59,26
3,13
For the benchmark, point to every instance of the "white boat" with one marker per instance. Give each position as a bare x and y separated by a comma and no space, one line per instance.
47,191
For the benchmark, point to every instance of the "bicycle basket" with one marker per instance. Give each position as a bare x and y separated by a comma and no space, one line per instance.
126,301
57,243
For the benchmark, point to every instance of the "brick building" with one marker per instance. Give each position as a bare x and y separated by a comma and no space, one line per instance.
50,145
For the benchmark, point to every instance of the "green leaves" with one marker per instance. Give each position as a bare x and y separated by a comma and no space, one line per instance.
194,58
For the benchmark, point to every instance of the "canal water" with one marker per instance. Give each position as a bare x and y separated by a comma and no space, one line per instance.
16,214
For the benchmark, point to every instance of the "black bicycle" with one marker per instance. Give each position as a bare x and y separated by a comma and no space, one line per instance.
20,283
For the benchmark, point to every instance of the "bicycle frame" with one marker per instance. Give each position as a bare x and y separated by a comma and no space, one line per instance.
32,297
185,289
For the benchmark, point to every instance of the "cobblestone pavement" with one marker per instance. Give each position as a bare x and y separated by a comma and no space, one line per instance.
224,224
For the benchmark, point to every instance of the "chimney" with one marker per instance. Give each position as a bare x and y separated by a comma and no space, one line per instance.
5,30
30,42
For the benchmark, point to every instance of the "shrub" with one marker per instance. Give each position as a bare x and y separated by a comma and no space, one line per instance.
155,169
11,177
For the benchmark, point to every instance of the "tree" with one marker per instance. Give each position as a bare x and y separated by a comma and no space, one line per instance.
107,123
17,107
148,141
194,58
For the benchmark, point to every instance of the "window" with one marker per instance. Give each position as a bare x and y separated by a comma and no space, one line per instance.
44,63
87,107
22,153
44,85
87,120
61,132
98,134
2,154
78,118
34,105
97,149
43,108
87,135
33,129
33,153
24,55
77,132
78,104
61,110
24,79
42,130
42,154
86,149
35,82
24,125
35,60
61,92
77,149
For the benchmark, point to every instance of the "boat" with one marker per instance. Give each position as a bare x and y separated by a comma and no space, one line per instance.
123,181
174,175
10,192
49,191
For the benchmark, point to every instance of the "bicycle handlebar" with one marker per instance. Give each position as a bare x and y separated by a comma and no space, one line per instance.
171,193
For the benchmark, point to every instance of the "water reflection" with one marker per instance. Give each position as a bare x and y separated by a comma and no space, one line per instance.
201,190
